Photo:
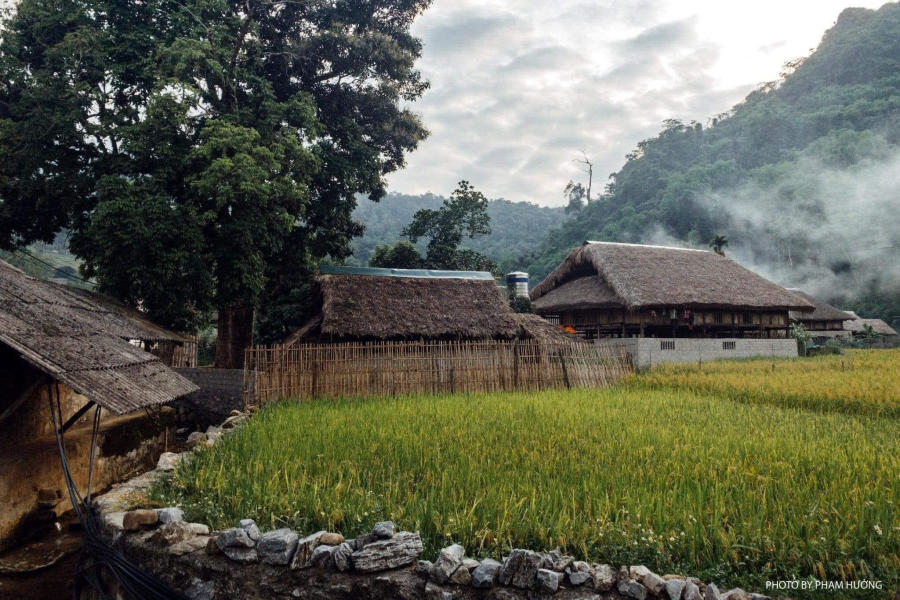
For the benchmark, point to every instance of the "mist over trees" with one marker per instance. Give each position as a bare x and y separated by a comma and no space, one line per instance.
801,176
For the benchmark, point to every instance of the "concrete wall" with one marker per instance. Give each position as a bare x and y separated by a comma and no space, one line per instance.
221,391
648,352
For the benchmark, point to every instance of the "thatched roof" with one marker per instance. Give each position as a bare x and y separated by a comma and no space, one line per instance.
632,276
82,341
823,312
535,327
878,326
401,305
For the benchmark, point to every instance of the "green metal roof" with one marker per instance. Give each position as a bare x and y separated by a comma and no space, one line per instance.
421,273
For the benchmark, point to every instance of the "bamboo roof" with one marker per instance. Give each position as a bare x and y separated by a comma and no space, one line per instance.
632,276
82,339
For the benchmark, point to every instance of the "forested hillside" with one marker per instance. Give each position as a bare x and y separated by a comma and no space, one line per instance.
515,227
802,176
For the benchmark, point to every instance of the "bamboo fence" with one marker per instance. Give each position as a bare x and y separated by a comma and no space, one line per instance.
427,367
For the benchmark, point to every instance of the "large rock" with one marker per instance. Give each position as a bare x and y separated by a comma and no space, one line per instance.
423,567
168,461
241,555
249,525
604,577
448,561
341,557
461,576
654,583
711,592
277,547
305,548
331,539
383,530
193,544
578,578
134,520
236,537
195,439
323,557
401,550
485,573
170,514
174,532
558,561
547,581
520,568
674,588
632,589
691,591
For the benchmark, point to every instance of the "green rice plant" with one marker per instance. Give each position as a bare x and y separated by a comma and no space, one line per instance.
680,480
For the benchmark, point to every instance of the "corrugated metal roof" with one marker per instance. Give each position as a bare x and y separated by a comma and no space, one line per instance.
83,343
420,273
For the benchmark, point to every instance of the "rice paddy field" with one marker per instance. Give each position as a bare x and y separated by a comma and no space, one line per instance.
736,472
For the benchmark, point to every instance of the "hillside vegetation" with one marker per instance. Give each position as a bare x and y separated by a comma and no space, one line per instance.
684,482
515,227
800,176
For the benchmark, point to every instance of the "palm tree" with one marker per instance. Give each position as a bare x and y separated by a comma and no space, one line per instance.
718,244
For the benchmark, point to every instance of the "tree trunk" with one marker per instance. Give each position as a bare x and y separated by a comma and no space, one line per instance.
235,334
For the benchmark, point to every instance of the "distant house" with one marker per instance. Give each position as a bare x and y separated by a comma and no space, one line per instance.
73,349
605,289
825,321
886,334
366,304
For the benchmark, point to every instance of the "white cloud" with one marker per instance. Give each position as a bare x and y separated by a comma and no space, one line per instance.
520,87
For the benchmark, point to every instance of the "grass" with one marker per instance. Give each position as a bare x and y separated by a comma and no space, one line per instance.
677,476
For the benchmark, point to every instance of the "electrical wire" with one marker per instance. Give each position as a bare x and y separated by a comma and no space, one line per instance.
98,554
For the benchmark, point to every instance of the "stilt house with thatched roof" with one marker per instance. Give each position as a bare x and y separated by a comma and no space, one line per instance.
368,304
64,351
825,321
605,289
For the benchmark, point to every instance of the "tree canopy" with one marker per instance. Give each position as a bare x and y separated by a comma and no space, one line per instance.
204,154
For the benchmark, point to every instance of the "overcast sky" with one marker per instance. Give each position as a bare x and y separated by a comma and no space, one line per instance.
520,87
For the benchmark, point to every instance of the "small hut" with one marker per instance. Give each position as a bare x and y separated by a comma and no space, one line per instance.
367,304
62,352
825,321
884,335
605,289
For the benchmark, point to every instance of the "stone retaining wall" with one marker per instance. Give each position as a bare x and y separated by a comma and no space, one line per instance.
242,562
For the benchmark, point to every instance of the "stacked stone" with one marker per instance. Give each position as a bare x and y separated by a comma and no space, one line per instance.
524,573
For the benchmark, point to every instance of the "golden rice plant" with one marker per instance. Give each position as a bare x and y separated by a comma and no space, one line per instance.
674,475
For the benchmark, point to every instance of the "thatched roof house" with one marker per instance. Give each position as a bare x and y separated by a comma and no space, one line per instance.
857,325
82,340
825,321
605,288
71,349
364,304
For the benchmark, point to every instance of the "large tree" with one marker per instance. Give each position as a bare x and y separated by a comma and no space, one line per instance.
204,153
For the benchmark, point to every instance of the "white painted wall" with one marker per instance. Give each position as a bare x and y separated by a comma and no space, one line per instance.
648,352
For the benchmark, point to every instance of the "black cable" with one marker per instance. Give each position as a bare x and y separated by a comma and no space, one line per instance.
56,269
97,553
